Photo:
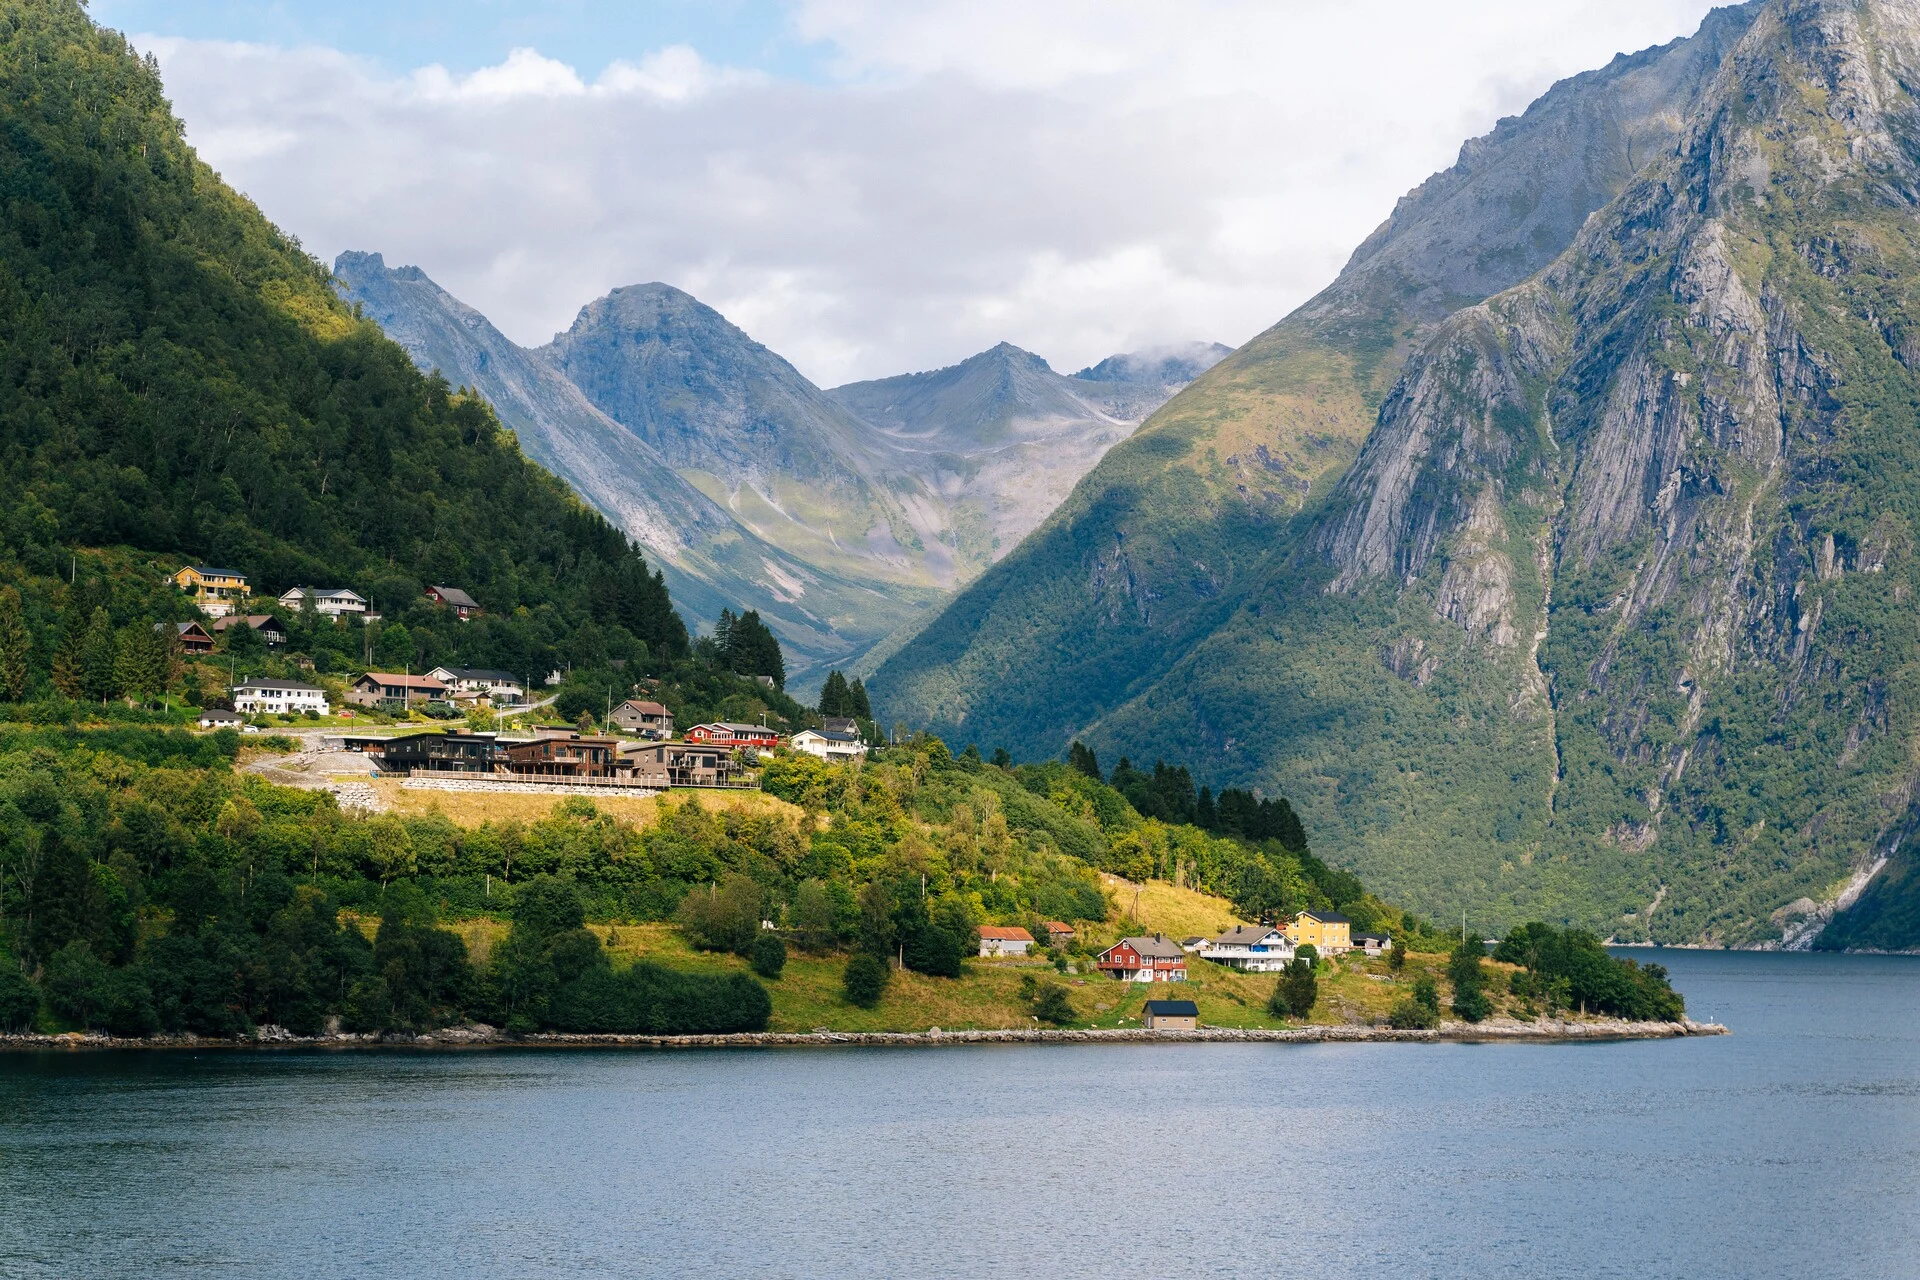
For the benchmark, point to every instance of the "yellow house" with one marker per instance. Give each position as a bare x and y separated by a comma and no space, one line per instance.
1329,933
216,591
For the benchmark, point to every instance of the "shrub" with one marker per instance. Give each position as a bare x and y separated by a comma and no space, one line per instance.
1426,994
19,998
726,917
1411,1014
1397,956
1469,979
936,952
768,955
1053,1005
865,979
1296,991
651,999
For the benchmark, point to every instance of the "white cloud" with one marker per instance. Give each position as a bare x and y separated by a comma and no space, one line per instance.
1078,177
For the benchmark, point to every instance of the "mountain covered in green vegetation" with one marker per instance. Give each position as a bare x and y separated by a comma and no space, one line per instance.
1594,601
181,384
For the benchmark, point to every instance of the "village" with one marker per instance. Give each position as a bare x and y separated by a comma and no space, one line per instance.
637,746
490,737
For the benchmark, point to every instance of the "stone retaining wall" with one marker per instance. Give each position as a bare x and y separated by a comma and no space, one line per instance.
479,1035
419,782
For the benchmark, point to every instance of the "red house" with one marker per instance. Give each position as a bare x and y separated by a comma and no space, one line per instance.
1155,959
726,734
463,605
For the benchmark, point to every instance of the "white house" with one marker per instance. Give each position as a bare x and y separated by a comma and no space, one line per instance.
278,698
834,747
499,687
329,602
1251,948
1373,943
996,941
220,720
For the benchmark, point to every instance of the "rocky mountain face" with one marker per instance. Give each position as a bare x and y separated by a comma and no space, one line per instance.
1002,438
1611,617
754,488
1160,543
711,559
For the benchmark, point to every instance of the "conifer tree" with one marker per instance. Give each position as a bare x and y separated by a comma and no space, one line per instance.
67,658
133,668
857,695
14,644
100,658
835,698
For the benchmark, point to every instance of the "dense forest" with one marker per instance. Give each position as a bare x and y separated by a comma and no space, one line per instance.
178,381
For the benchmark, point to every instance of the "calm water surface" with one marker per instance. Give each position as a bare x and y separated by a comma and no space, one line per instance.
1789,1148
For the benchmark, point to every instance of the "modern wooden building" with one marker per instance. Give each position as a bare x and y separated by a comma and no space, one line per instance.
1171,1015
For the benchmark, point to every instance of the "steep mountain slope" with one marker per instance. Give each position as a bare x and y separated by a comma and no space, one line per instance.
754,488
1612,619
181,380
1168,534
1002,438
712,562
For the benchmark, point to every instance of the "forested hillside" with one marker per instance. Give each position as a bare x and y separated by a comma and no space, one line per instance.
177,380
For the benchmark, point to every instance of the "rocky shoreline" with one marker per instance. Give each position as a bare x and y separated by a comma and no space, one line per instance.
481,1036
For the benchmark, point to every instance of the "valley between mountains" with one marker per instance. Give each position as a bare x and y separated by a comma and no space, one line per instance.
842,516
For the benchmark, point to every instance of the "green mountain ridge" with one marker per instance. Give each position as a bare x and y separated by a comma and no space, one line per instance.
181,380
1608,621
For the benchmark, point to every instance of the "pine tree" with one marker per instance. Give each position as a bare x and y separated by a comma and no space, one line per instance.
14,644
857,692
67,659
100,658
835,698
1081,759
133,668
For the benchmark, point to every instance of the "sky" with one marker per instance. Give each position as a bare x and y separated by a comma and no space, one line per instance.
868,187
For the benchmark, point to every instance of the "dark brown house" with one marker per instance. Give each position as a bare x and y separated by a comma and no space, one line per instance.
568,757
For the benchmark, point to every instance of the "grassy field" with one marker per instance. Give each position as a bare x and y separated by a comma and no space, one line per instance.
471,808
807,996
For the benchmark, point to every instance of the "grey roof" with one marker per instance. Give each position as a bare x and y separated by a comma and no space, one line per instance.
1246,935
292,686
1379,937
455,596
1172,1009
1155,948
208,571
832,735
1327,917
735,726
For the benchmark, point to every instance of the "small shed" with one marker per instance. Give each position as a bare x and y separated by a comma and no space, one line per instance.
1059,933
1171,1015
220,720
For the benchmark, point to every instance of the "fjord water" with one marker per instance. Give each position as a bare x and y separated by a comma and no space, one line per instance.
1789,1148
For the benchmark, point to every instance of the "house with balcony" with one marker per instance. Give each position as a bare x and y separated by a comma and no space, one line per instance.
501,688
756,737
680,764
389,691
336,603
648,719
572,756
1143,959
193,638
450,752
269,628
1251,948
217,592
266,697
834,748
